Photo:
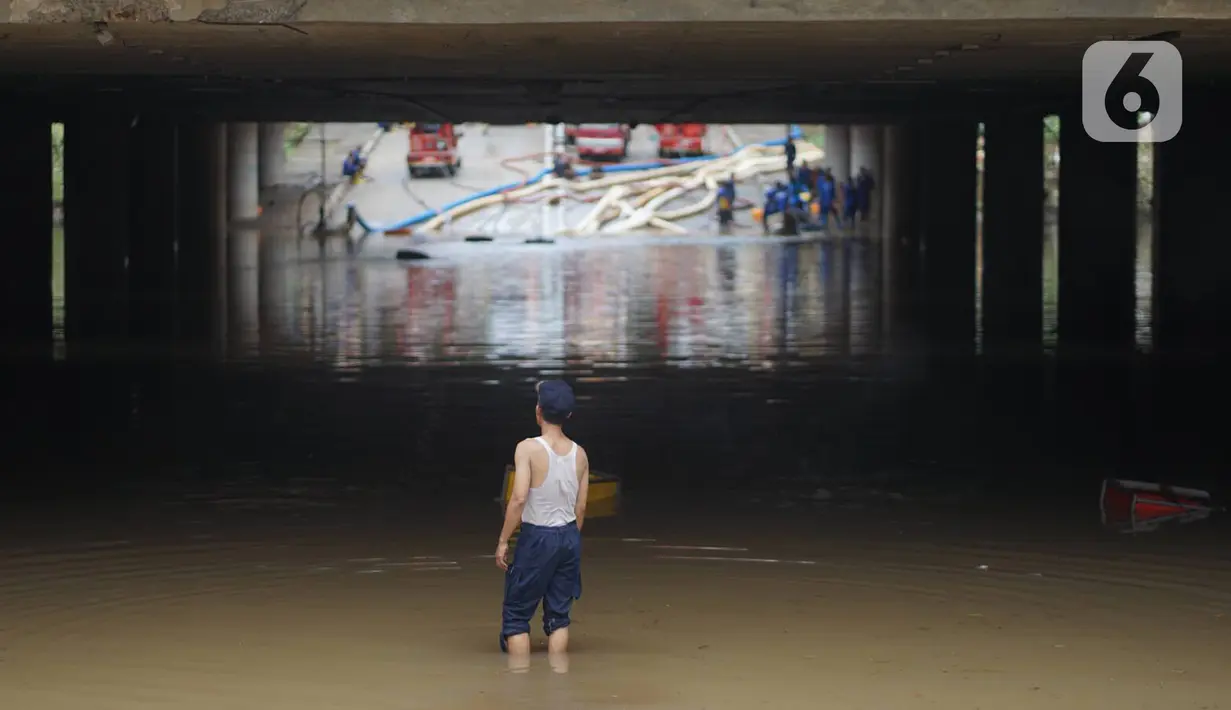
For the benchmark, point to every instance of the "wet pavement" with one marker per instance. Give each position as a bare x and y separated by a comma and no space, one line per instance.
501,155
818,502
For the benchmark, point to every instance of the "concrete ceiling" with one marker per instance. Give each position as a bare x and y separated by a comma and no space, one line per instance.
660,71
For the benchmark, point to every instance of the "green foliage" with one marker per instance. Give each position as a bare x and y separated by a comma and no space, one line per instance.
1051,128
295,134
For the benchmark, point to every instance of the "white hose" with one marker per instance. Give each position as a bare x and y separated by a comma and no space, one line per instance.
641,199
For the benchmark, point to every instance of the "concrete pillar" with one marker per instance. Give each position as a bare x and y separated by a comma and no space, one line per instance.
272,288
901,227
891,166
25,183
837,149
864,264
242,171
154,205
835,296
202,231
244,281
154,173
945,173
1013,231
1097,241
1192,255
890,185
272,164
219,177
96,228
866,148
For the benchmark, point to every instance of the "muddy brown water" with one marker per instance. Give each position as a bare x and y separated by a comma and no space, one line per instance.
816,515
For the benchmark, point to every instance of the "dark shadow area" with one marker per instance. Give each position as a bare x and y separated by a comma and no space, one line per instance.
750,368
863,463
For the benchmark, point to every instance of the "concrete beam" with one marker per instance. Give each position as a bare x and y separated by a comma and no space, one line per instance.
558,11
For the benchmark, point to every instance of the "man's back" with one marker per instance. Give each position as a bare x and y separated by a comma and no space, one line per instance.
554,483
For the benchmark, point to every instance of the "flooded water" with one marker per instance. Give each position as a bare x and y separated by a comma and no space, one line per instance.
816,503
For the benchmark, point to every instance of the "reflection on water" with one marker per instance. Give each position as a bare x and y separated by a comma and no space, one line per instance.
742,353
700,305
310,523
1144,283
689,305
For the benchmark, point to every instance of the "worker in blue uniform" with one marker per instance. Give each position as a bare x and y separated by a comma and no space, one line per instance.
850,201
776,199
806,176
802,193
826,192
864,185
787,200
563,167
726,201
353,165
835,207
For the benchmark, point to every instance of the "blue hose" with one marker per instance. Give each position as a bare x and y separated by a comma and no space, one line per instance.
580,172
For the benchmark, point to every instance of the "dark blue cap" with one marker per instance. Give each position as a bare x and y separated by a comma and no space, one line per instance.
556,397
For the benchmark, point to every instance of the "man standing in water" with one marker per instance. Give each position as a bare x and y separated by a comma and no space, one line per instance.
550,485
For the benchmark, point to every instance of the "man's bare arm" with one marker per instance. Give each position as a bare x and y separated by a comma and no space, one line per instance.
521,489
583,486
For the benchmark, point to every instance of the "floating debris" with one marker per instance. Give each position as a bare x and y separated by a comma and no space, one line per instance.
1139,506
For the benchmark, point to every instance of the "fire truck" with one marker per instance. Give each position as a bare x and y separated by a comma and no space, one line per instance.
680,139
433,149
602,140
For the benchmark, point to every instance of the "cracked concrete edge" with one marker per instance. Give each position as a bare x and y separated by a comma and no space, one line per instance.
556,11
118,11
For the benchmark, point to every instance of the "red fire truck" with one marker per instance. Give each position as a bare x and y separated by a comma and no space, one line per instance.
433,149
602,140
679,139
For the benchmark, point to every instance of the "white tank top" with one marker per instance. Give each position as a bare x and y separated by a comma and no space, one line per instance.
554,503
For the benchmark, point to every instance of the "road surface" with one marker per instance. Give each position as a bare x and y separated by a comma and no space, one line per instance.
499,155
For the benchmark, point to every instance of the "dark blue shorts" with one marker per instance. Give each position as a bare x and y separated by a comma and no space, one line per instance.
546,567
